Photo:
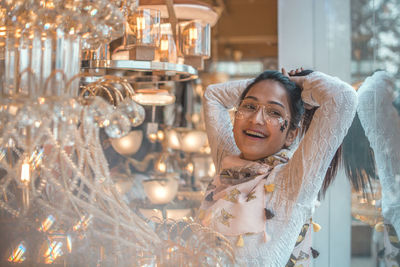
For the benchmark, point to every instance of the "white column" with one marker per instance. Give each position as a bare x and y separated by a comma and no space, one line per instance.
316,34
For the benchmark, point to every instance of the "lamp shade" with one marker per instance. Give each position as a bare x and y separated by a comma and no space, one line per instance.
195,39
187,140
129,144
153,97
161,190
144,24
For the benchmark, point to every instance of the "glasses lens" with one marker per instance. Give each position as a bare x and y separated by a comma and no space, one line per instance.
271,114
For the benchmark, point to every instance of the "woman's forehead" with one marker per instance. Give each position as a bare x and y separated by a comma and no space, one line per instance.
269,92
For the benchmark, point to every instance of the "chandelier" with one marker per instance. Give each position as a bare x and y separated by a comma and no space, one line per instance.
58,200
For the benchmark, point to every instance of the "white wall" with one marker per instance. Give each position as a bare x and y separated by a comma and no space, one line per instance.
316,34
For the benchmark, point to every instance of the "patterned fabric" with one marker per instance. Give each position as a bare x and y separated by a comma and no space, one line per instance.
235,200
300,179
302,253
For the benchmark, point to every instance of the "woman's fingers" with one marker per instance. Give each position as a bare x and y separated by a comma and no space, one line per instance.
292,72
284,72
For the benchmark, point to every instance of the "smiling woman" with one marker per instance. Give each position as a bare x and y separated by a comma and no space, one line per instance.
268,184
261,134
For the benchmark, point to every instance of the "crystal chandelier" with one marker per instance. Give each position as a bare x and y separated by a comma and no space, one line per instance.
58,202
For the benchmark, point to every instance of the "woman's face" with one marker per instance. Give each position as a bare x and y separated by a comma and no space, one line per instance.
262,121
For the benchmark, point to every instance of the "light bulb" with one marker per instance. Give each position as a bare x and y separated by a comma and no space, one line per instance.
193,35
190,167
152,137
164,44
25,173
140,23
161,167
160,135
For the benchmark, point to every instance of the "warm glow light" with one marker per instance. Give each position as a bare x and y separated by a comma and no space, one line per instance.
153,97
164,44
173,140
161,167
47,223
18,253
140,27
140,23
187,140
160,135
193,34
161,191
152,137
193,141
25,173
190,167
129,144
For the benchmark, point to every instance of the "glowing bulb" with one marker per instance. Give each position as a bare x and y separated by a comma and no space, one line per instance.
190,167
164,44
161,192
161,167
160,135
173,140
25,173
141,23
193,34
152,137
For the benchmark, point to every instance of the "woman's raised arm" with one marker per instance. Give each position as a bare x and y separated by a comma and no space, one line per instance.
217,100
300,180
337,103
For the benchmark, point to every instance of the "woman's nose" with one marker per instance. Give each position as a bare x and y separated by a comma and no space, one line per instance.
258,117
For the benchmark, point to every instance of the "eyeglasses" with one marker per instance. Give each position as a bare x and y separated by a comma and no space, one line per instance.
271,114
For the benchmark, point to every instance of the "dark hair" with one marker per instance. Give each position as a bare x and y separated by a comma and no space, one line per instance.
299,115
358,158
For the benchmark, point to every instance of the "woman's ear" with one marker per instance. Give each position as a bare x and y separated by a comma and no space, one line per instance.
291,136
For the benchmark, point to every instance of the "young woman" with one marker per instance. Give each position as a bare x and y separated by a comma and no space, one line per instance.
270,179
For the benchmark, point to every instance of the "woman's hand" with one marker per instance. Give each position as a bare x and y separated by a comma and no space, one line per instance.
298,80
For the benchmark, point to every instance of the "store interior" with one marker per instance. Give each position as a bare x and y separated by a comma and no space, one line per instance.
104,156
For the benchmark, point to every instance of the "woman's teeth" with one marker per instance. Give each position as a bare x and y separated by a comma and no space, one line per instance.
254,134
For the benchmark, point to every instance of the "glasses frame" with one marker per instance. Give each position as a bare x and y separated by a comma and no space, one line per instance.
279,120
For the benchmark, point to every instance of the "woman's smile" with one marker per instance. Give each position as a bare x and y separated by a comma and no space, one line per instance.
255,134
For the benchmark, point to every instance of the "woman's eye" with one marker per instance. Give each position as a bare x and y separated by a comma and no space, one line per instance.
274,113
250,106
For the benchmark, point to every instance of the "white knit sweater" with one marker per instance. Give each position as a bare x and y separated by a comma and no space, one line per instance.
381,123
337,103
